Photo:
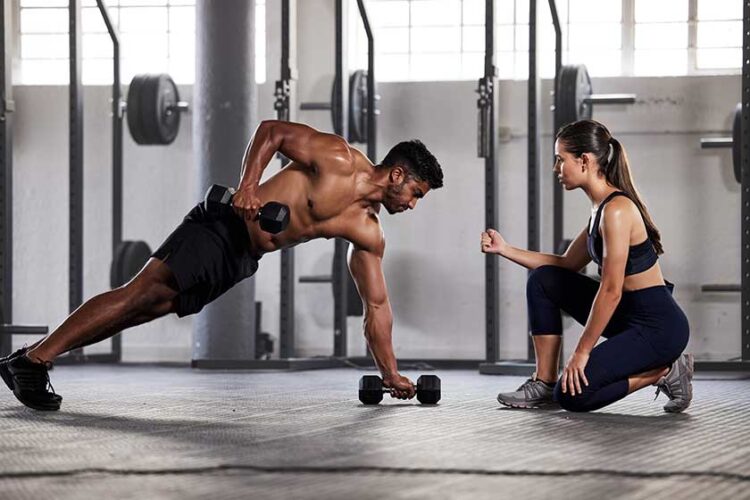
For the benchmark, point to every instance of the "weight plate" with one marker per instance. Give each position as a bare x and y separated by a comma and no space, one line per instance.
152,114
358,106
135,120
573,89
130,257
150,110
737,143
335,110
168,116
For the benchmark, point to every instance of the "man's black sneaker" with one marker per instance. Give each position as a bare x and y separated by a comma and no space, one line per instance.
7,378
31,384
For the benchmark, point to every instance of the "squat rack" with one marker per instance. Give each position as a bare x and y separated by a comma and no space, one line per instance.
7,107
492,364
339,278
75,160
487,150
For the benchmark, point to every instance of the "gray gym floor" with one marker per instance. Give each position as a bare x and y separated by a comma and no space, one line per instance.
153,432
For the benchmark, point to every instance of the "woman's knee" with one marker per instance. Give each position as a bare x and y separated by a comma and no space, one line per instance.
544,276
577,403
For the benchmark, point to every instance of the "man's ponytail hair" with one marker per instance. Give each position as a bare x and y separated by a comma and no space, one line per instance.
589,136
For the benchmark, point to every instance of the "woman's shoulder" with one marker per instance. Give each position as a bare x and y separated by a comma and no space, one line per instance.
620,207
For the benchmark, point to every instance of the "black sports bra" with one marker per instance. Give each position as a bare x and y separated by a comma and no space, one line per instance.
640,257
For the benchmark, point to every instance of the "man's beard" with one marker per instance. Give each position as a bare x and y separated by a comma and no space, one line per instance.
391,194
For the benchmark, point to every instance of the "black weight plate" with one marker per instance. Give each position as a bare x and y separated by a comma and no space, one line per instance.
135,120
130,257
150,109
737,143
562,247
335,110
574,87
358,106
168,116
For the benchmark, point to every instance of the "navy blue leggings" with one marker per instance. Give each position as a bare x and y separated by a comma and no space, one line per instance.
648,330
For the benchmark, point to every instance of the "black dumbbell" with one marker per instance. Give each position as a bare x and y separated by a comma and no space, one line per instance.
371,389
273,216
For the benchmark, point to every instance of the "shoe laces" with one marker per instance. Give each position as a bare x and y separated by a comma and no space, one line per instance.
36,380
531,388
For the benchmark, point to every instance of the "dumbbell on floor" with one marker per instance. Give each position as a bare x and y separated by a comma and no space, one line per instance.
371,389
273,216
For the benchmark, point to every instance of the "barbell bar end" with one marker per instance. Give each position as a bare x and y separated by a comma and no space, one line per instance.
716,142
315,106
611,99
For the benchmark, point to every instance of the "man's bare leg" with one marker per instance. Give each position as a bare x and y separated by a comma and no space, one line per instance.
148,296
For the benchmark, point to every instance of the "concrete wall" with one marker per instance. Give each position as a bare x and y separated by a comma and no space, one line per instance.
432,264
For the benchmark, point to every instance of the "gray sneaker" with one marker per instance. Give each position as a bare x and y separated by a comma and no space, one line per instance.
531,394
677,385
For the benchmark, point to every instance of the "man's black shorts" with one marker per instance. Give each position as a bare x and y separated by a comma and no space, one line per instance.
208,253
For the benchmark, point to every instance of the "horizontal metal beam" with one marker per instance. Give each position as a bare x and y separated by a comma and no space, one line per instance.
289,364
322,278
315,106
521,367
722,288
23,330
611,99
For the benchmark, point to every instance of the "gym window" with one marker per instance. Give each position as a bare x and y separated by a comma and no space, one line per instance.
156,36
444,39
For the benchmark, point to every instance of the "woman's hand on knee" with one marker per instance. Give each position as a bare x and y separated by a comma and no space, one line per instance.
574,377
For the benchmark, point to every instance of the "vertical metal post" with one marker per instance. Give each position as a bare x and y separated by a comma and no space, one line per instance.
340,267
116,151
487,145
534,139
6,177
282,105
372,112
75,159
557,190
745,178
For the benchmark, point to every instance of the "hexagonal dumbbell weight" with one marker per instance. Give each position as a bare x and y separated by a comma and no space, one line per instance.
371,389
273,216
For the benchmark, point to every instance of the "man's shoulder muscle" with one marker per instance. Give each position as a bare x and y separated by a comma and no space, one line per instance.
367,234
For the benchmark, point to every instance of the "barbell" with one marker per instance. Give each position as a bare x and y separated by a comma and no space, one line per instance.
153,109
357,107
733,142
576,97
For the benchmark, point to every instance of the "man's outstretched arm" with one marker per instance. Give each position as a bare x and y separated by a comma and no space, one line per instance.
300,143
367,271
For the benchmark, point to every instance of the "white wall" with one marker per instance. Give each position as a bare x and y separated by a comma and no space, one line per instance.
433,267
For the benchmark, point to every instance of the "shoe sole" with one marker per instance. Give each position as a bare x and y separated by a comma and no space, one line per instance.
33,406
526,406
690,371
8,379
